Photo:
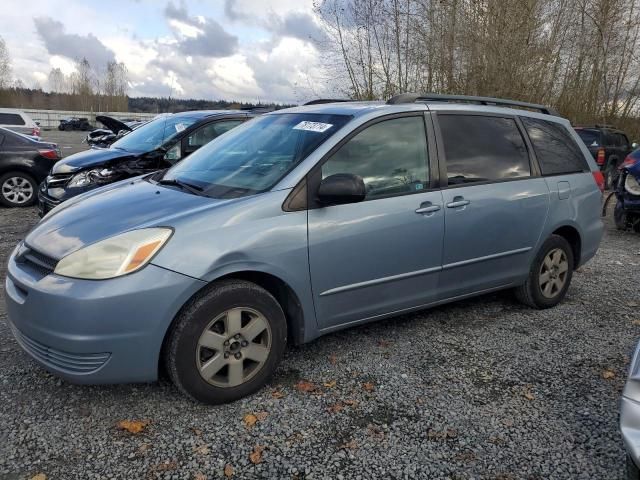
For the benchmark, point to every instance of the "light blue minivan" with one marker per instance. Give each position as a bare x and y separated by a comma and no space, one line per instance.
299,223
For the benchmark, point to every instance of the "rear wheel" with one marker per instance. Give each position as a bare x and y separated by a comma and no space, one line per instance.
226,343
549,276
620,217
611,175
17,189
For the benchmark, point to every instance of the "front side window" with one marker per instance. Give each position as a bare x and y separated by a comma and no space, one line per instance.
204,135
390,156
256,155
555,148
154,134
483,149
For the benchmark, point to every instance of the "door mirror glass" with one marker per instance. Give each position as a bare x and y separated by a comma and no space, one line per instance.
634,145
173,154
342,188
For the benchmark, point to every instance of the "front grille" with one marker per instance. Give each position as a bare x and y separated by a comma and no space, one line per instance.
58,181
59,360
37,261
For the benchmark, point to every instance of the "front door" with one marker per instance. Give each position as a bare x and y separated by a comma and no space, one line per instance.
381,255
495,209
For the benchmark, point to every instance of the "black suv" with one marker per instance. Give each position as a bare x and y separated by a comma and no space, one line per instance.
156,145
609,146
74,123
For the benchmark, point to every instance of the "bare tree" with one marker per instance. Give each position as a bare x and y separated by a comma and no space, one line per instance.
5,66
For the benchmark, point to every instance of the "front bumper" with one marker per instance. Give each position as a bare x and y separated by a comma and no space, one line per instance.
86,331
630,427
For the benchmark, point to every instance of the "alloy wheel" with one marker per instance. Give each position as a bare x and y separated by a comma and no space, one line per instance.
233,347
553,273
17,190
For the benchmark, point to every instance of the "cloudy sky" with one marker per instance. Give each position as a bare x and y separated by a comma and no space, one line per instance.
231,49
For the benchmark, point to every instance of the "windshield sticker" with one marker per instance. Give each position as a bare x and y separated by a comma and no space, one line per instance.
179,127
313,126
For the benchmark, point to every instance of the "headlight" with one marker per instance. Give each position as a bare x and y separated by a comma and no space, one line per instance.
115,256
631,185
96,175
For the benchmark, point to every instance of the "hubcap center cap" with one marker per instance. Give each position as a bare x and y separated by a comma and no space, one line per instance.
235,346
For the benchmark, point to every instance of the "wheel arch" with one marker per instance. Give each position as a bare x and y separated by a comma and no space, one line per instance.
571,235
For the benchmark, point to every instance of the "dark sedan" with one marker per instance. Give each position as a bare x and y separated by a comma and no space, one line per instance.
24,163
154,146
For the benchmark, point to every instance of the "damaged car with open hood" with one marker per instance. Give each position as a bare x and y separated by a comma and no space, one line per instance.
154,146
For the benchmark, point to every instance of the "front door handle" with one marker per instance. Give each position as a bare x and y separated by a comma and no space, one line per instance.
458,202
428,207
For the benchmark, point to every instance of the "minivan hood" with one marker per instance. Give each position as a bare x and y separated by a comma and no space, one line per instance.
112,210
88,158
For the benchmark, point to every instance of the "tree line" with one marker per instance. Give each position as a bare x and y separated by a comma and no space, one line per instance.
580,56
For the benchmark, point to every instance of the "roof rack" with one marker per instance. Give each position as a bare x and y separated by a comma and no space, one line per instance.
598,125
437,97
319,101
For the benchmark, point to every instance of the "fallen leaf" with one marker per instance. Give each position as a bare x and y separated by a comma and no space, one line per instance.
256,455
305,386
368,386
133,426
199,476
333,359
636,322
336,407
277,394
384,343
39,476
528,395
165,466
350,445
608,374
330,384
497,440
249,420
375,432
442,434
508,422
633,304
196,431
261,416
142,449
228,470
351,402
202,450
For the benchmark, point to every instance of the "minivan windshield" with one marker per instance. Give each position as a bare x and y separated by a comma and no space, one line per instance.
154,134
255,156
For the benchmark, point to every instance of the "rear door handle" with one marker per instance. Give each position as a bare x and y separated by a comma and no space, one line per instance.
428,207
458,202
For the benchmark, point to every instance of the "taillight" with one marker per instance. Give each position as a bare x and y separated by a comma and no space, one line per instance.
50,154
600,158
599,178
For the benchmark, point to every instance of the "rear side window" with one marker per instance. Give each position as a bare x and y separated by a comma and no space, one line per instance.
11,119
483,149
555,148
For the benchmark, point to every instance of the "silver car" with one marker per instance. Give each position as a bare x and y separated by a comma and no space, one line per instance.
299,223
630,417
19,122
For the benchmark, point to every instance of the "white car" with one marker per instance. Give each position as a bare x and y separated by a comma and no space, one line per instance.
20,122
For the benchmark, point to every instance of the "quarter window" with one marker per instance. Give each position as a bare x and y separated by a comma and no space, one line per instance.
390,156
11,119
555,148
483,149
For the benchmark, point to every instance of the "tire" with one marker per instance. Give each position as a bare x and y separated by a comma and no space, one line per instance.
213,318
610,175
620,217
534,292
68,128
18,189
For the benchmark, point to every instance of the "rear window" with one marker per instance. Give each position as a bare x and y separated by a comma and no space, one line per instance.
555,148
482,149
11,119
591,138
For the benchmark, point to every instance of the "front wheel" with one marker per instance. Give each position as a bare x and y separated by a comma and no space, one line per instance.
226,343
549,276
17,189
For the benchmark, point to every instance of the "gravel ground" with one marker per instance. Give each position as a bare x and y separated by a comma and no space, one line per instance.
484,388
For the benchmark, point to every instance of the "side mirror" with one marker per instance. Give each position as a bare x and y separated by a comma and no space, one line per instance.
173,154
342,188
634,145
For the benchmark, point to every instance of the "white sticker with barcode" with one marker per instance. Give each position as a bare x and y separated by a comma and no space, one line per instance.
313,126
179,127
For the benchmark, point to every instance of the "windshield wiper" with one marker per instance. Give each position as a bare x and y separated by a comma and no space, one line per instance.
183,185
